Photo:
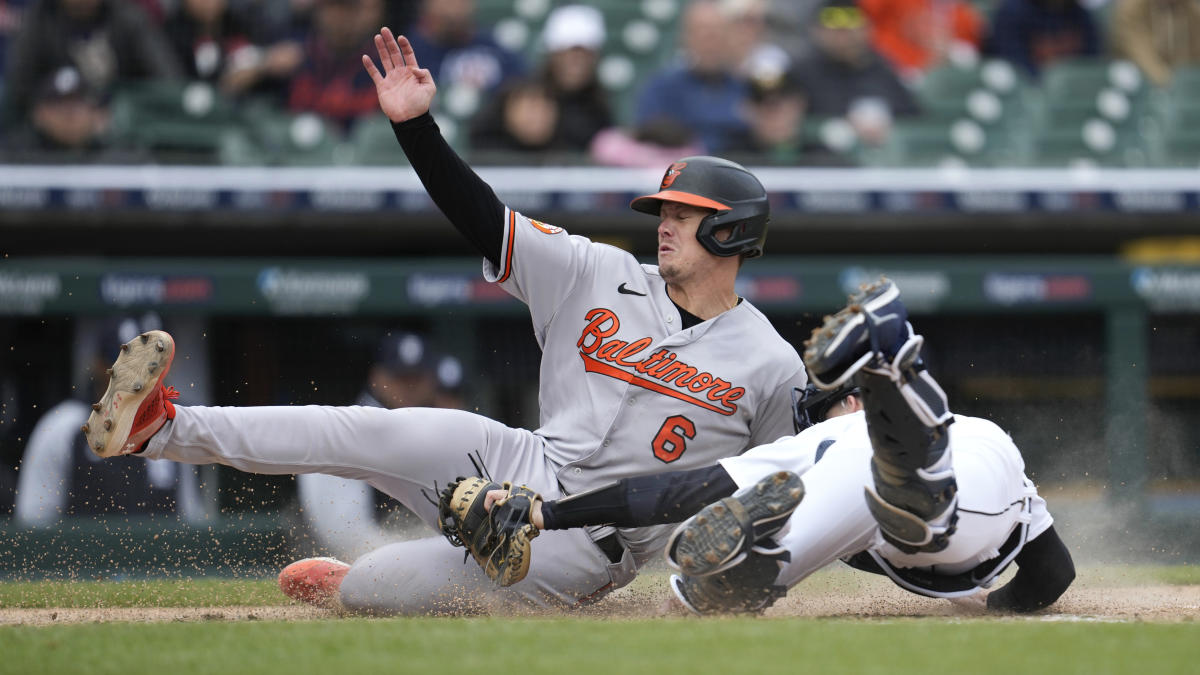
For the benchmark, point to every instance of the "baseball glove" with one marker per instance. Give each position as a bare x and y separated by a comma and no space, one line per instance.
499,539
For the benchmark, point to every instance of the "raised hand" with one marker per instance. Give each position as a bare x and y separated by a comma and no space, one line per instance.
405,89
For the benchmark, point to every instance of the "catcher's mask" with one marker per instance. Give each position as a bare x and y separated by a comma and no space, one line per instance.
736,196
810,405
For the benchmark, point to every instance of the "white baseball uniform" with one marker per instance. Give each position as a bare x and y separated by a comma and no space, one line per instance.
624,391
833,521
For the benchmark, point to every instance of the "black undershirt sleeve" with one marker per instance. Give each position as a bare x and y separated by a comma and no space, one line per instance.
1044,571
644,500
468,202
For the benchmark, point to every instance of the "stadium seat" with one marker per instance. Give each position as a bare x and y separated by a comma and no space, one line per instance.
279,138
1093,142
374,144
173,121
934,143
1083,78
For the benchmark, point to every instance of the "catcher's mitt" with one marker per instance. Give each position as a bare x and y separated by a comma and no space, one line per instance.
499,539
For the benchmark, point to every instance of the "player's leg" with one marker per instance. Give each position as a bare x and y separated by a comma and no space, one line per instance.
568,571
724,533
830,522
914,496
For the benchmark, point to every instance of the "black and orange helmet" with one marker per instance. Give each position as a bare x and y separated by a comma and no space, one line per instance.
737,198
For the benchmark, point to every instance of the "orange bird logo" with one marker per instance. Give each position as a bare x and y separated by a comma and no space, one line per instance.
671,174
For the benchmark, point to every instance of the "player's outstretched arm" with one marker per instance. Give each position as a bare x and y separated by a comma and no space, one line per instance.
656,499
405,89
405,93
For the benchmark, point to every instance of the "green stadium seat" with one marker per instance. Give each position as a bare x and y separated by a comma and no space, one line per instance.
949,83
1181,150
374,144
1093,142
1084,78
935,143
173,121
275,137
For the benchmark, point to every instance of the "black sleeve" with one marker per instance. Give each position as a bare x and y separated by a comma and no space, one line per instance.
468,202
1044,571
644,500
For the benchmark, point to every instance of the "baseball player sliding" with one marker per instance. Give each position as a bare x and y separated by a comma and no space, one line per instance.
642,369
893,483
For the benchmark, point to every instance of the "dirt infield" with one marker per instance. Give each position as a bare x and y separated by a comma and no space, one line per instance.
834,596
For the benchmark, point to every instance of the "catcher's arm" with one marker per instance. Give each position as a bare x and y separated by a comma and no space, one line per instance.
668,497
1044,571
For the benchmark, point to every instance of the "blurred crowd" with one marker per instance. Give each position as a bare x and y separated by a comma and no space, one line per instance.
739,77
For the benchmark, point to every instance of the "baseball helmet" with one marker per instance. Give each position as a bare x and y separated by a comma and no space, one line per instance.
736,196
810,405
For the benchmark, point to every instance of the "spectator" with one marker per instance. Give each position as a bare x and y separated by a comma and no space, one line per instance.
651,144
788,26
107,41
1157,35
456,52
67,122
331,81
750,48
917,35
1032,34
59,476
845,77
349,517
11,14
702,92
777,108
523,118
573,37
213,43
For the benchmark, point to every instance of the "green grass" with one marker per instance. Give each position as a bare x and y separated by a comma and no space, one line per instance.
585,646
265,592
576,644
141,593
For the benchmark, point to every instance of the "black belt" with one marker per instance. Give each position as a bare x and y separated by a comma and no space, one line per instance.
611,545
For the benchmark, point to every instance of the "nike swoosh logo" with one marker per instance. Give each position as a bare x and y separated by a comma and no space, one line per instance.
628,291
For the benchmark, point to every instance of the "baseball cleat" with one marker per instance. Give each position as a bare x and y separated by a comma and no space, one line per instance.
136,404
873,322
721,534
316,581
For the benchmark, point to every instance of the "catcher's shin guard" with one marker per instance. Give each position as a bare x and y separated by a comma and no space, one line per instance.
746,588
914,498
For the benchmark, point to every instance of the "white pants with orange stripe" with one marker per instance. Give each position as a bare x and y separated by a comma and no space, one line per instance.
409,454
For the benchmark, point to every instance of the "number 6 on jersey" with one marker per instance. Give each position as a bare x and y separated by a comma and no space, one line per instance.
671,439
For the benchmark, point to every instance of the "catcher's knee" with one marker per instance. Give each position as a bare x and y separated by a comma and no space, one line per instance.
914,496
747,588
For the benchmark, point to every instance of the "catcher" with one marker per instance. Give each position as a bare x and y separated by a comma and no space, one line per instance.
896,485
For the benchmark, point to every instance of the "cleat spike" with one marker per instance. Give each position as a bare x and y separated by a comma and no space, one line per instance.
125,347
108,371
145,337
701,520
137,386
96,407
85,429
160,346
107,425
99,446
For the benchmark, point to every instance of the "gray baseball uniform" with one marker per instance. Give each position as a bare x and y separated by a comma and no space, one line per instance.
624,391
